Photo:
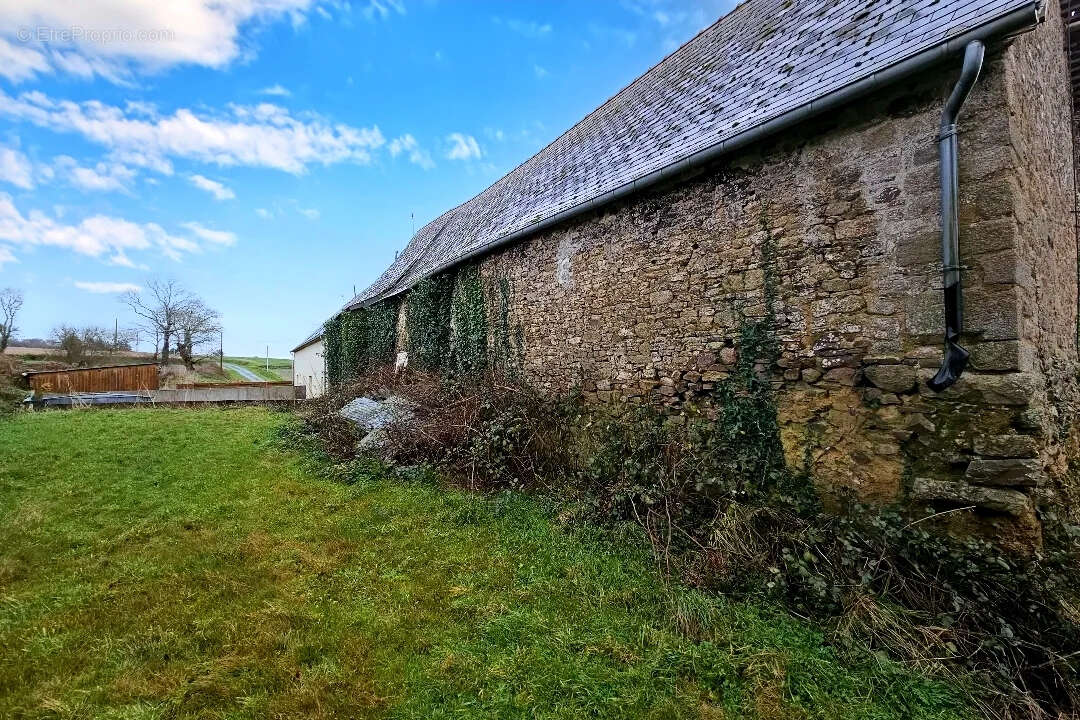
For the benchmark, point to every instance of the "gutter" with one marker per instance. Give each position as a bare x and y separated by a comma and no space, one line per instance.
956,357
1020,19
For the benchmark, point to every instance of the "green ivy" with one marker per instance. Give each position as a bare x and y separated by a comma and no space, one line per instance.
332,352
427,321
357,340
469,334
506,358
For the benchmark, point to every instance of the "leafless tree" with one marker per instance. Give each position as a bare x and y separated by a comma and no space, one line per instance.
161,309
11,301
196,327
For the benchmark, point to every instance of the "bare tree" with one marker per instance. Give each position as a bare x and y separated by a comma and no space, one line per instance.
161,309
11,301
196,327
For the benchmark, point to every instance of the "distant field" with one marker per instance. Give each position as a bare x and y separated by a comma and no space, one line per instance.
44,351
280,368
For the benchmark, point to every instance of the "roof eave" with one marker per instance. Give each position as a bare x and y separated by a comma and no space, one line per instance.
1019,20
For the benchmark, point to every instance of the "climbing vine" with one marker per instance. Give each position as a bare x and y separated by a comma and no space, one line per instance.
749,457
332,354
427,321
356,340
506,340
469,331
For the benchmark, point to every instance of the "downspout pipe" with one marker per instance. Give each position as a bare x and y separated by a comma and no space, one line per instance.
956,357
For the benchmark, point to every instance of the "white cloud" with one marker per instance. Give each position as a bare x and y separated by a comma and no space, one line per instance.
276,91
19,63
103,177
218,190
129,36
417,155
264,213
462,147
16,169
6,256
107,287
540,71
527,28
218,237
263,135
99,236
382,9
309,213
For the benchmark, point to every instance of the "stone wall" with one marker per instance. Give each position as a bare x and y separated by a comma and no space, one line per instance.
643,301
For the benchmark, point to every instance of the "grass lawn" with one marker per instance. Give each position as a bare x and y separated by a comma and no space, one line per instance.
280,368
177,563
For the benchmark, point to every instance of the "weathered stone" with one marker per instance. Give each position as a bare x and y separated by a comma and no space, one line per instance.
1006,446
891,378
1008,473
859,227
1013,389
811,375
841,375
1011,502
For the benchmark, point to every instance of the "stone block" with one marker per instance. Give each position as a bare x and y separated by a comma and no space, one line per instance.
859,227
891,378
994,315
841,375
1007,473
926,314
1013,389
996,355
1011,502
1006,446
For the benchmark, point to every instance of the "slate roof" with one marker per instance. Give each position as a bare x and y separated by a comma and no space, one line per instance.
316,335
760,61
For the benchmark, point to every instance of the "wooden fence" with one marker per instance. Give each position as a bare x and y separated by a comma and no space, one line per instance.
109,378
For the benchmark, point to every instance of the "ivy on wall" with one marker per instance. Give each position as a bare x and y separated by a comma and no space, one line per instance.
332,354
357,340
469,324
507,340
427,321
447,328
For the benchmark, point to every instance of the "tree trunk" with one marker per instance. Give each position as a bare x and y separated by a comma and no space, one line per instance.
165,346
185,349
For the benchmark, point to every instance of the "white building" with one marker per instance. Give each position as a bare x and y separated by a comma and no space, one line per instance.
309,367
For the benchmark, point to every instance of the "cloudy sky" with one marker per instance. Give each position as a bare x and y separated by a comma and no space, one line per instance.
271,154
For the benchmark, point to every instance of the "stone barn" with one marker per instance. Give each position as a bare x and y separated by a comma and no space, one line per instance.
892,179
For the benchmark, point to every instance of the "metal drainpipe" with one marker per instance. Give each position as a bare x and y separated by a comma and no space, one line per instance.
956,357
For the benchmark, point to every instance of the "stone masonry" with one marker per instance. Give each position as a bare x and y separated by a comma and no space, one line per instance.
641,302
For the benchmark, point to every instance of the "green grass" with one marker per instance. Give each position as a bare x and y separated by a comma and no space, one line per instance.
280,368
178,563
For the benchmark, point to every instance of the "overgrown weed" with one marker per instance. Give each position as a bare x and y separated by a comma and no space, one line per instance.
722,512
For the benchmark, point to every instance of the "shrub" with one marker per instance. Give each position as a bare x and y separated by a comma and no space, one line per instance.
722,511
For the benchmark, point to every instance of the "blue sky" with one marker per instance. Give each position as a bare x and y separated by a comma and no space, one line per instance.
269,154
